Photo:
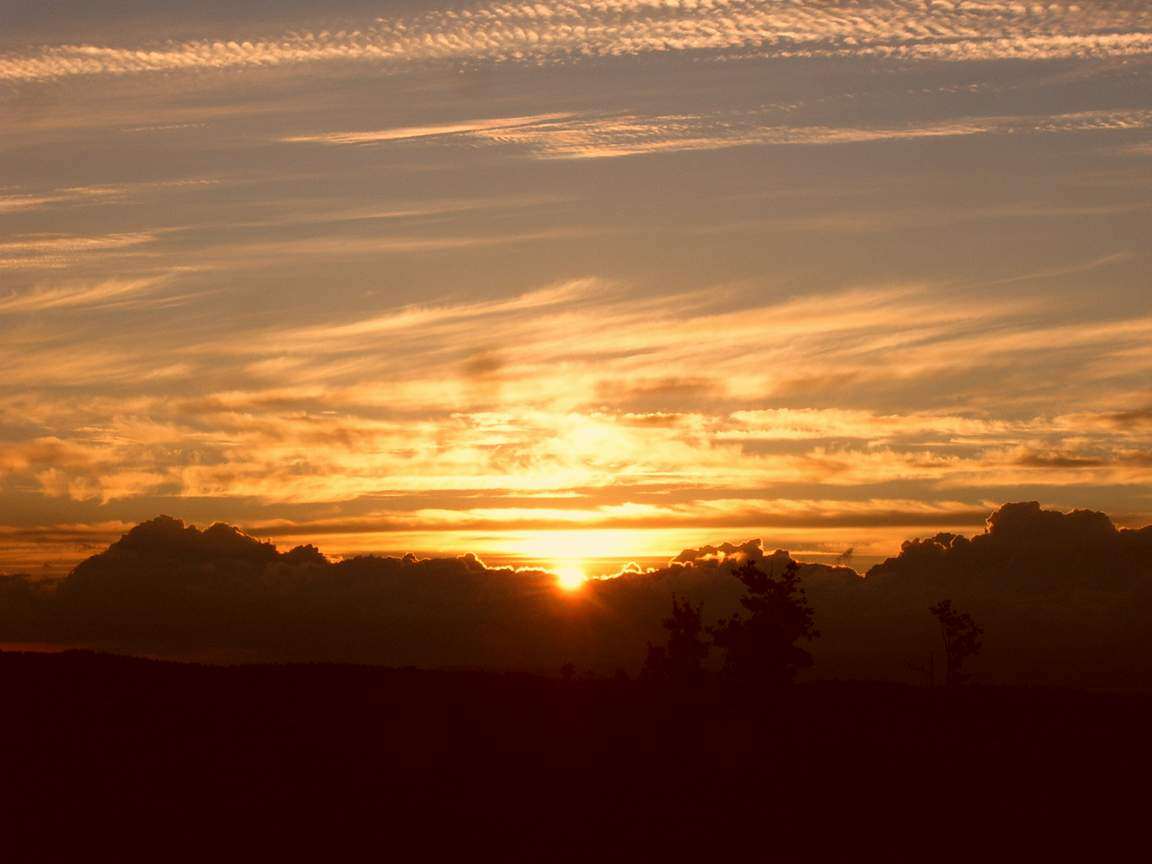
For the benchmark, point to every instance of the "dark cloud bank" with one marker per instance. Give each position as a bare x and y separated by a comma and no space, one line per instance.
1064,599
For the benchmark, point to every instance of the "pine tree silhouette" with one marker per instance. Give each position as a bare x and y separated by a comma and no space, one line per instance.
761,647
961,636
681,659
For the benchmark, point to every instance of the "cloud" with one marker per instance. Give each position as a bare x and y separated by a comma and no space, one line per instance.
1141,417
632,135
16,200
407,133
393,402
51,251
19,201
13,203
572,136
1064,598
100,293
259,254
172,586
557,512
1067,595
47,451
64,244
563,30
635,135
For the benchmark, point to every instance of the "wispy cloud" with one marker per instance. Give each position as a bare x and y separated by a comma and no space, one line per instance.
66,244
561,29
49,251
100,293
594,138
521,395
15,203
15,200
569,136
714,513
406,133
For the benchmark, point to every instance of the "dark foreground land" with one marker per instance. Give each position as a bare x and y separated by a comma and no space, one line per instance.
110,758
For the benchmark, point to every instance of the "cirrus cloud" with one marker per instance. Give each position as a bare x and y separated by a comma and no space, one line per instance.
541,32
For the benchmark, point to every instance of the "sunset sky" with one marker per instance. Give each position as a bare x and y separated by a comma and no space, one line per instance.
562,279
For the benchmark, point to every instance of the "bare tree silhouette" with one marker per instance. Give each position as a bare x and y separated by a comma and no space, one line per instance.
681,659
761,647
961,636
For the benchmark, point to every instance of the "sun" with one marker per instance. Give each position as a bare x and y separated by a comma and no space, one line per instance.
570,576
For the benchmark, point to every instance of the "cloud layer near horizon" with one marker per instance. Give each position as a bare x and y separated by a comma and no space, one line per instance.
1064,598
581,449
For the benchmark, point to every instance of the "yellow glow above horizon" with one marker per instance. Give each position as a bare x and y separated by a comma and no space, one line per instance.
580,543
570,576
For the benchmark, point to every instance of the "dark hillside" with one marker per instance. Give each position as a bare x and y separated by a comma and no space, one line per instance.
111,753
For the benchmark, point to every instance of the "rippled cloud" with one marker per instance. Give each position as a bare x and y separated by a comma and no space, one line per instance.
550,31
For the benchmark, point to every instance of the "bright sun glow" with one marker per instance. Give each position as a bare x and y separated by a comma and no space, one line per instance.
569,576
572,546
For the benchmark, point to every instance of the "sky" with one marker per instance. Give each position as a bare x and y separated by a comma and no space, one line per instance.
571,280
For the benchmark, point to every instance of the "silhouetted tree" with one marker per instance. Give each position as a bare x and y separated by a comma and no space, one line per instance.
681,659
761,646
961,636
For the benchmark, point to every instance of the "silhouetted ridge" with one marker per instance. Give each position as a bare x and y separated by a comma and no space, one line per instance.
185,759
1062,597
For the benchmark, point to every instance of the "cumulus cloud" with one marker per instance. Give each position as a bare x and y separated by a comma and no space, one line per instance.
1064,598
